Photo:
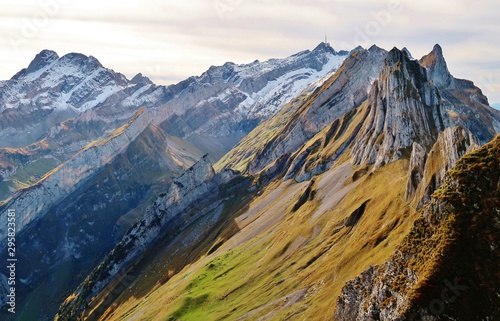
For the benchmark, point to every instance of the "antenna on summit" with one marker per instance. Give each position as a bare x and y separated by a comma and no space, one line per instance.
326,39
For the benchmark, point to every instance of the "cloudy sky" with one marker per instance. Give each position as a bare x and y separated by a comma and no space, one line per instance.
170,40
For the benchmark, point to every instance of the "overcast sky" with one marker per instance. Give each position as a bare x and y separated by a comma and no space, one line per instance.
171,40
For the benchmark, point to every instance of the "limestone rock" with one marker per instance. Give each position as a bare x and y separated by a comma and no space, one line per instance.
404,108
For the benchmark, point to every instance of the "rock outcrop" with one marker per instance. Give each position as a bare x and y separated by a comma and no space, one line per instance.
463,101
427,171
445,269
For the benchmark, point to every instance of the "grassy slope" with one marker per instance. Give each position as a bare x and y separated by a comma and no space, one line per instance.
276,253
460,236
281,264
447,266
26,175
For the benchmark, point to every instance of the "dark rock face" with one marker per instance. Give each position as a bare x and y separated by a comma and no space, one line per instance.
43,59
140,79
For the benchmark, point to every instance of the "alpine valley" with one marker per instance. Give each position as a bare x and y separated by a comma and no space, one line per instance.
329,185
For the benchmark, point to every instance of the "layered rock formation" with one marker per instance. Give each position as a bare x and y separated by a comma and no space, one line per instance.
427,171
404,108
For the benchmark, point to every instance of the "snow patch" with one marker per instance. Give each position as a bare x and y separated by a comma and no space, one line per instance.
281,91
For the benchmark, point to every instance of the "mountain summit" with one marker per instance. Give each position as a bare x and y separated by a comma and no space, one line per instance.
44,58
436,65
404,108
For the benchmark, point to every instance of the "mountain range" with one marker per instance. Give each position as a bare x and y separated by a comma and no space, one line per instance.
279,181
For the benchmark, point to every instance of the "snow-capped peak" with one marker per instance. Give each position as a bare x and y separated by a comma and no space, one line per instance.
73,81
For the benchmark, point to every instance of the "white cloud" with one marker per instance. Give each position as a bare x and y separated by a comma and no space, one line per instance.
171,40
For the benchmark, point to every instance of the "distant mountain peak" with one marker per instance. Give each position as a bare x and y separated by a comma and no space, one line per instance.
141,79
437,50
42,59
437,68
46,56
78,59
325,47
407,53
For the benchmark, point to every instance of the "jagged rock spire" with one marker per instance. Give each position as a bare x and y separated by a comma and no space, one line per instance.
437,68
404,108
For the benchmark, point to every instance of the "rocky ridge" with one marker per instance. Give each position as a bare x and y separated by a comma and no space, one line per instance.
199,188
212,111
398,111
295,125
445,268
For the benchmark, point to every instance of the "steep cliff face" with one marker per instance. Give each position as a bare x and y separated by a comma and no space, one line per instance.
192,195
308,115
464,102
404,108
427,170
445,269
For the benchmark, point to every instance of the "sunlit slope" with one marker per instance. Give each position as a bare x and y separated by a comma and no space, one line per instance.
279,263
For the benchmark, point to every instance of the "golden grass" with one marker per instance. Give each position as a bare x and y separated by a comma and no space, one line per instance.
295,252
